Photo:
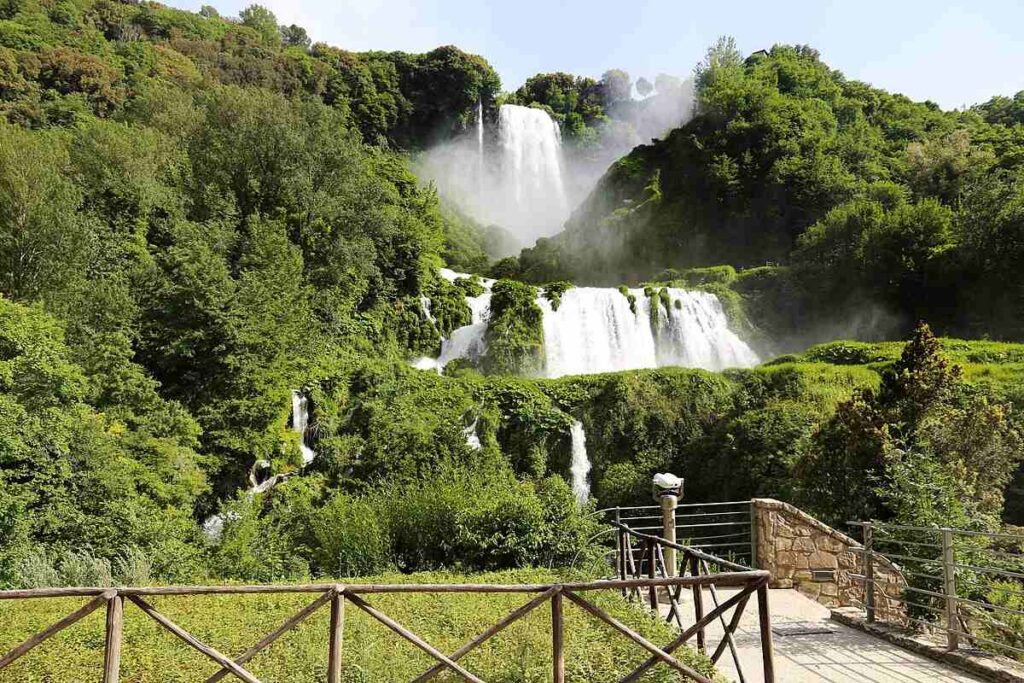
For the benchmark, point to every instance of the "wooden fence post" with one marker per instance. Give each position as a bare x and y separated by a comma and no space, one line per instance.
112,646
336,633
698,603
557,639
767,646
652,573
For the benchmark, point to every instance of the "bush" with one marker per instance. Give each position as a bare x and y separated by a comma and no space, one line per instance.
515,333
352,537
481,520
844,353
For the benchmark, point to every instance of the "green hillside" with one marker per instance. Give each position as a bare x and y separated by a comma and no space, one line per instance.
848,210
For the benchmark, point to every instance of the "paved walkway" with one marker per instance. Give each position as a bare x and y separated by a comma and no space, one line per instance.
845,655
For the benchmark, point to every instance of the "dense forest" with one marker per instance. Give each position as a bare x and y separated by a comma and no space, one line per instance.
201,215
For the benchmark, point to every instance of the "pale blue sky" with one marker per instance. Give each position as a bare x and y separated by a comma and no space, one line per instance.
951,51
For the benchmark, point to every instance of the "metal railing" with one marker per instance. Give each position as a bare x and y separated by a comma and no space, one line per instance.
722,529
968,585
641,554
337,596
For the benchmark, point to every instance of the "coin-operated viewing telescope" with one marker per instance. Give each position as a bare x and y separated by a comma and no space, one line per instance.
667,490
666,484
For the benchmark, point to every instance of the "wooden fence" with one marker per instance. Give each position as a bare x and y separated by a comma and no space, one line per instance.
338,596
639,554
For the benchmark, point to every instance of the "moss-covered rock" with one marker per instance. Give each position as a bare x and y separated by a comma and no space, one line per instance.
515,332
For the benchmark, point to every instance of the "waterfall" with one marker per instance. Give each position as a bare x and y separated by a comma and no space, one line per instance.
300,422
480,165
480,127
580,466
595,330
472,438
213,526
533,200
513,177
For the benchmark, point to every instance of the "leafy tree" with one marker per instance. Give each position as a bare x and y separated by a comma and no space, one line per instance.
644,87
916,450
295,36
616,85
44,241
263,21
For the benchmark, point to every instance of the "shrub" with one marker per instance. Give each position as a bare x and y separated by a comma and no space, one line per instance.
844,353
352,537
483,519
515,335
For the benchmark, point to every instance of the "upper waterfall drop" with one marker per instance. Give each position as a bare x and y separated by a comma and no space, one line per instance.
531,171
512,174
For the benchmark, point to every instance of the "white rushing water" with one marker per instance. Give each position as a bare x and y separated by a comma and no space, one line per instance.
531,168
513,176
580,466
594,330
468,341
300,422
472,438
213,526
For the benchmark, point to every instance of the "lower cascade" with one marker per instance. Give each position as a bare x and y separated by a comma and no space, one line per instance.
300,422
580,465
259,481
598,329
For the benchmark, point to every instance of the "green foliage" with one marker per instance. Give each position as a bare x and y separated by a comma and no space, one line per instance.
263,22
553,293
515,337
924,450
77,479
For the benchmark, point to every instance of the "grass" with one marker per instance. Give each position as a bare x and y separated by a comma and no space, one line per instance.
998,366
233,623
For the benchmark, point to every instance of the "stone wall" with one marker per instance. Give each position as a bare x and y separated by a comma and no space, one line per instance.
804,553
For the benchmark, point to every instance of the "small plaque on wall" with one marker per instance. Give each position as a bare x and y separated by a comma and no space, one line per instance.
823,575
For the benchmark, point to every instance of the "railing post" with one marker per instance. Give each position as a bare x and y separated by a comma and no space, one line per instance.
557,639
949,589
620,549
767,646
652,572
698,603
753,535
336,634
112,646
869,572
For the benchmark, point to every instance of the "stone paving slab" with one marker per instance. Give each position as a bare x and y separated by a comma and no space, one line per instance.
845,656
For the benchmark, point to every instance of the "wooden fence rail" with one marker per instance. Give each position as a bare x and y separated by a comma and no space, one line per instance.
648,560
337,596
